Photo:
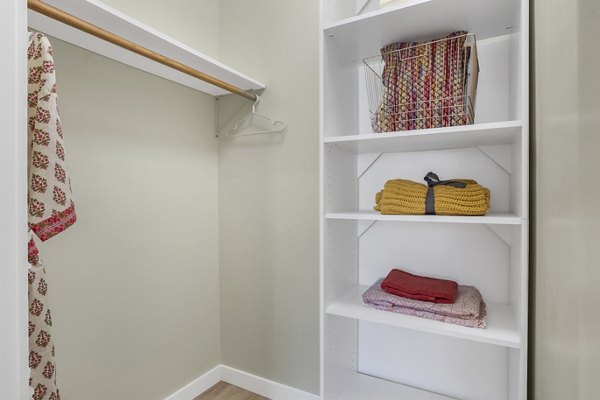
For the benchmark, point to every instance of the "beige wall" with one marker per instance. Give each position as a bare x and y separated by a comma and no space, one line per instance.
134,283
567,171
192,22
268,196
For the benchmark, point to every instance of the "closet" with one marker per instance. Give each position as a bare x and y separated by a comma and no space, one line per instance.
365,353
372,354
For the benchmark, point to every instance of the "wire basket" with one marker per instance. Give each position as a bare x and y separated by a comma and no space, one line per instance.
423,85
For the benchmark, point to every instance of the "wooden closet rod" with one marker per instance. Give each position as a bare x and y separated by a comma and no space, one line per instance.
65,18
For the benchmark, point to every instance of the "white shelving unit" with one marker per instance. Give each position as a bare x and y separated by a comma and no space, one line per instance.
370,354
114,21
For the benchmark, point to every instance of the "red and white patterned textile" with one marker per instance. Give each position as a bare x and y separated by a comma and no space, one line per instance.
50,207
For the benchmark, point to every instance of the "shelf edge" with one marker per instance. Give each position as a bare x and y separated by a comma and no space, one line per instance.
373,14
488,126
438,328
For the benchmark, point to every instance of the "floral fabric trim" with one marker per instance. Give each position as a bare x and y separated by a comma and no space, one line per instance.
55,224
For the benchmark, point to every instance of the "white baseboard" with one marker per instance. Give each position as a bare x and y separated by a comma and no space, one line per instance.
198,386
253,383
264,387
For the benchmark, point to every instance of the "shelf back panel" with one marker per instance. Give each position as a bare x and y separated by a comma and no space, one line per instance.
449,366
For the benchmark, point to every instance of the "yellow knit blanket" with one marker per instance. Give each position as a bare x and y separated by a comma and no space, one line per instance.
400,196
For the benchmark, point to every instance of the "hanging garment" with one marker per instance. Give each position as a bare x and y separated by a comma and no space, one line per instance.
451,197
50,207
468,310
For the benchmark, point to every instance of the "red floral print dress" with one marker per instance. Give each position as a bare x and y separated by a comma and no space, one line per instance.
50,207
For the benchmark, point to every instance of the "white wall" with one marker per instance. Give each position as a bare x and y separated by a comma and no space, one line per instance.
13,220
192,22
268,196
567,217
134,283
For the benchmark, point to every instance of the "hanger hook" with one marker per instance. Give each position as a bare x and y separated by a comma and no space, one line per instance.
255,103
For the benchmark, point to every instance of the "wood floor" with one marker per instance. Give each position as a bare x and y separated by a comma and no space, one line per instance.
225,391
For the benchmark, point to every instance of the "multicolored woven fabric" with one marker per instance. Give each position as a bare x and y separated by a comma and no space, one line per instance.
424,85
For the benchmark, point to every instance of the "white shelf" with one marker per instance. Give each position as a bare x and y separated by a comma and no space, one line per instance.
366,215
501,329
364,34
107,18
365,387
456,137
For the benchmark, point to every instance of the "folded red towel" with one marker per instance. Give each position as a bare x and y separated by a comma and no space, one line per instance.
417,287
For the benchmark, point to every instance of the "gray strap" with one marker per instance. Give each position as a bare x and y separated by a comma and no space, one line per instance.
432,181
430,202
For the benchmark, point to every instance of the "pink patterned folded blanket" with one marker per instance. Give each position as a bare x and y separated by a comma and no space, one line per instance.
468,309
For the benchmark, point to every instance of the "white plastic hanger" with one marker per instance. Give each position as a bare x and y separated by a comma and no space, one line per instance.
273,126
